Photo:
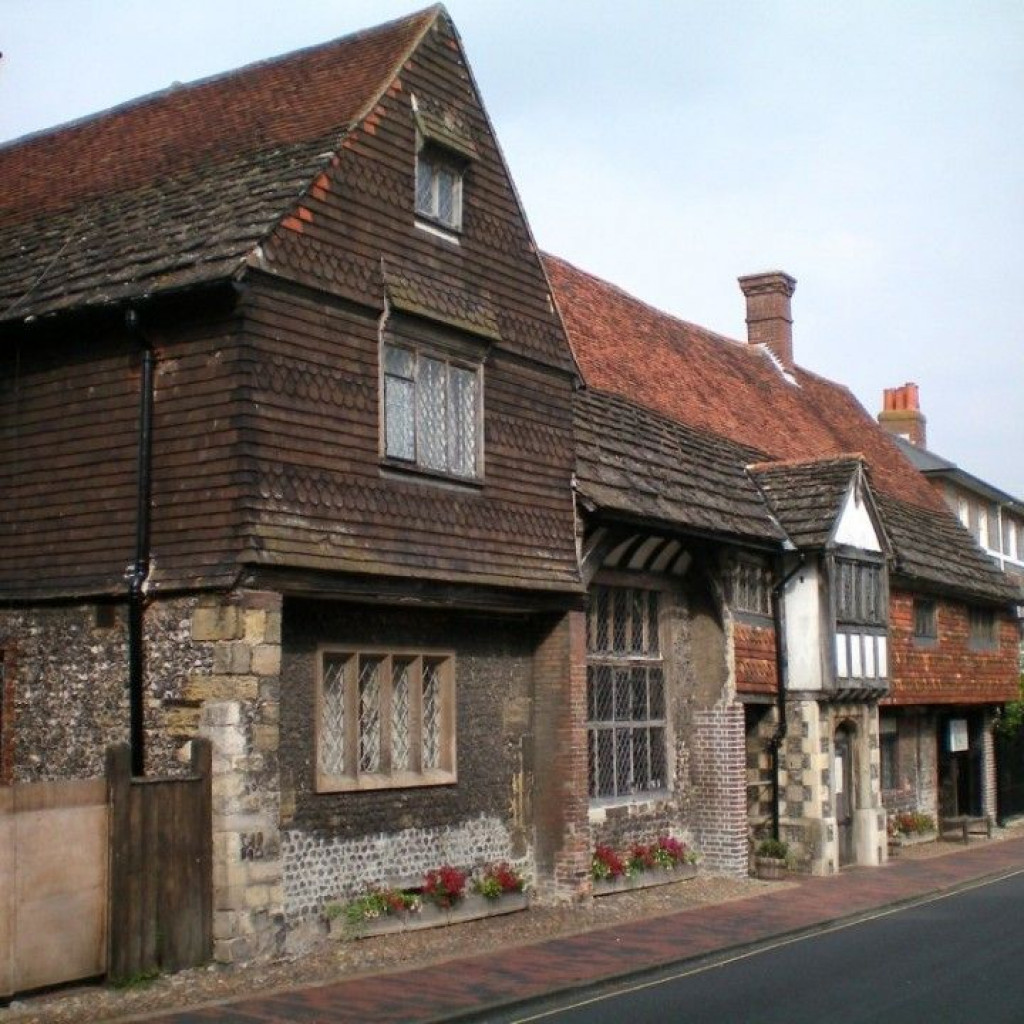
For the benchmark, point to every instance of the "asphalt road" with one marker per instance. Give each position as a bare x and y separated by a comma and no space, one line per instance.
957,958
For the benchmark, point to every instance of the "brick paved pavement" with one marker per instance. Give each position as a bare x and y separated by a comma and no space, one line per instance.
460,987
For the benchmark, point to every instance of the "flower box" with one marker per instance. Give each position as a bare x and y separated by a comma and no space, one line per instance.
771,869
643,879
471,908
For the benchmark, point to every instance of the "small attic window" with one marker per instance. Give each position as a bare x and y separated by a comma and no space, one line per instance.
444,150
439,187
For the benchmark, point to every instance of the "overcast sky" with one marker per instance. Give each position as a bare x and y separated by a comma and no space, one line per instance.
874,150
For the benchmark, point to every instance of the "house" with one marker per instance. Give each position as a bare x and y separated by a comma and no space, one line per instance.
994,517
287,449
453,551
870,651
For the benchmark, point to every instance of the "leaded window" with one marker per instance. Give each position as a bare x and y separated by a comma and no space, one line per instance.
860,592
439,187
431,411
626,701
384,719
751,588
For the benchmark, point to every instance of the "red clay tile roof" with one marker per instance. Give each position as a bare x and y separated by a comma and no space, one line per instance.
714,383
735,391
177,187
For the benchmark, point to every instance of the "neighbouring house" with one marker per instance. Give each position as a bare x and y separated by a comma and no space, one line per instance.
995,518
828,629
453,551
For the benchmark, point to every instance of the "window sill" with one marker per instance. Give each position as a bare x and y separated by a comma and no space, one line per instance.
438,230
926,643
599,809
407,471
405,780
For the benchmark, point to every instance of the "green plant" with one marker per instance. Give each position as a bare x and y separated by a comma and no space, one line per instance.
374,903
773,849
909,823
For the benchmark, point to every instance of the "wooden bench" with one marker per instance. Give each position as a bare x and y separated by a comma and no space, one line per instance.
968,825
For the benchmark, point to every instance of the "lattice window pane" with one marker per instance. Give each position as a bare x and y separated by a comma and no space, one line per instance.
462,421
620,620
399,418
369,714
656,682
446,200
658,777
623,761
431,715
600,679
623,695
431,414
605,762
641,760
601,624
332,721
425,187
401,748
653,639
639,681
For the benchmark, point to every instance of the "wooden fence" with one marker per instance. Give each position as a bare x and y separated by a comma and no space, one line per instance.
53,883
161,861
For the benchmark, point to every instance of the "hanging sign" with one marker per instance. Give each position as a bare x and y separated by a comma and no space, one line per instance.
958,735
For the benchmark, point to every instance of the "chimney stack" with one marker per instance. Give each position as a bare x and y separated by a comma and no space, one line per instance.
769,317
901,415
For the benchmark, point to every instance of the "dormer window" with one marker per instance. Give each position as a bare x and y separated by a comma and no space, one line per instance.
439,188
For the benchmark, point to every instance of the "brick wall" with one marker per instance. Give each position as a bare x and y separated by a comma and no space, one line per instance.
949,671
559,759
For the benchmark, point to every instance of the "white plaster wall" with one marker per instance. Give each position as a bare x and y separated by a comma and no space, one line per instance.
803,630
854,527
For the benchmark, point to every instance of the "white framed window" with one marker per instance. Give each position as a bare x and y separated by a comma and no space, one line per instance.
626,700
983,526
432,411
384,719
439,187
963,511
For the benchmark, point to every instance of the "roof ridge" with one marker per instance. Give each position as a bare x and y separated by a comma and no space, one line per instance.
794,463
655,310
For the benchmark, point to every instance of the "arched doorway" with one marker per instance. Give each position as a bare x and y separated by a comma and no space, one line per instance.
845,793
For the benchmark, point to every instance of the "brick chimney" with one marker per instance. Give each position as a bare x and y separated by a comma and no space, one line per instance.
769,318
901,415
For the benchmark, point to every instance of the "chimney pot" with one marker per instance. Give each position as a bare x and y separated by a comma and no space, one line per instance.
901,414
769,312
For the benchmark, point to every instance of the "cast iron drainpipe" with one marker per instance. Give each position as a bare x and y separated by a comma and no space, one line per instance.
139,570
781,664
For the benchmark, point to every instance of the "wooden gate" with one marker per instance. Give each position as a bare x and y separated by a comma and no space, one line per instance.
161,857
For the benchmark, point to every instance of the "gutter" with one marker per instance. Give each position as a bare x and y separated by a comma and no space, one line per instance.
138,572
781,665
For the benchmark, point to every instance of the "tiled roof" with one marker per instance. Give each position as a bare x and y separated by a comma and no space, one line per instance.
634,462
807,497
714,383
176,188
933,546
727,389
